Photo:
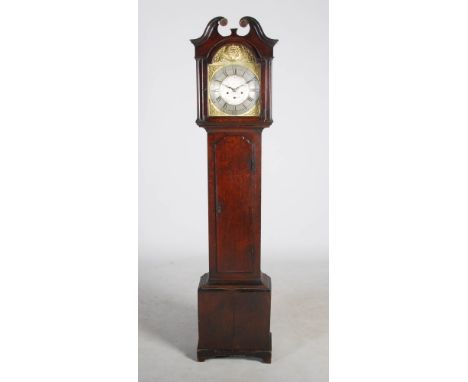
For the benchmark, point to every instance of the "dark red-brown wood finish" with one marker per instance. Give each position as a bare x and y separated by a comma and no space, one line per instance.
234,298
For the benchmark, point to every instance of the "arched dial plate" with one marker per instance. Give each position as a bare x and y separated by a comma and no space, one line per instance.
234,90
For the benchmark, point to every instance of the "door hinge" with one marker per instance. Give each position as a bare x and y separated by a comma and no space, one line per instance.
252,164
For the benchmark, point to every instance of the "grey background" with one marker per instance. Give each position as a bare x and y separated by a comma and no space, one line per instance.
173,225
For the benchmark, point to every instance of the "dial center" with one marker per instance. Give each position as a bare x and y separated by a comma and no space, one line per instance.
234,90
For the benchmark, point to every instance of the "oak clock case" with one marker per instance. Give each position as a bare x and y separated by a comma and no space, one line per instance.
234,106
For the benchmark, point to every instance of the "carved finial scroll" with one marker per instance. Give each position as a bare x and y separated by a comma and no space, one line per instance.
211,29
256,27
223,22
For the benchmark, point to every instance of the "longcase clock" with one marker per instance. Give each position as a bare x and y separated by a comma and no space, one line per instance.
234,106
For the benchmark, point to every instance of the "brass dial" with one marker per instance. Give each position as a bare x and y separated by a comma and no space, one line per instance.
234,90
234,82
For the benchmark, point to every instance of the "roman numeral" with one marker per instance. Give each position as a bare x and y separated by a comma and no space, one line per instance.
218,98
250,98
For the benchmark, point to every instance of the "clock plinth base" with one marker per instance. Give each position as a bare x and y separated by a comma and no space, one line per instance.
234,320
264,355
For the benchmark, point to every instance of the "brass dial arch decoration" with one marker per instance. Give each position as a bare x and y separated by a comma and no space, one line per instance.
233,52
234,76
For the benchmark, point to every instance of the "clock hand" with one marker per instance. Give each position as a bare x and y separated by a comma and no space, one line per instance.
230,88
240,86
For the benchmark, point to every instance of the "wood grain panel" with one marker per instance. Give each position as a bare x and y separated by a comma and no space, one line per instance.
234,161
